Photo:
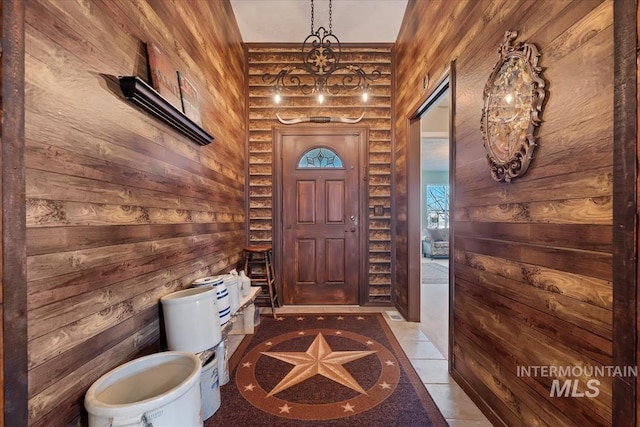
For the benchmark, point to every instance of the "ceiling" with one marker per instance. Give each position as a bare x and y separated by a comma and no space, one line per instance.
289,21
353,21
434,127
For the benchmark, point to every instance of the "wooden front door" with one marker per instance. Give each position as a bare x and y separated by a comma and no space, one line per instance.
321,217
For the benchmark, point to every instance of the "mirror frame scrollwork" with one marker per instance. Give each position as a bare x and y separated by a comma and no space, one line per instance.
509,122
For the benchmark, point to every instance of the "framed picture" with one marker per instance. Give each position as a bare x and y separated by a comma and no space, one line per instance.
190,99
163,75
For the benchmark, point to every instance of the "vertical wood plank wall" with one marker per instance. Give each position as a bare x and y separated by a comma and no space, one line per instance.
2,283
532,261
625,212
637,186
261,59
121,209
14,291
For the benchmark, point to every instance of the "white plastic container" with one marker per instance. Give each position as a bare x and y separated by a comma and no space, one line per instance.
162,390
211,281
231,281
256,316
223,301
191,319
246,284
210,387
249,315
224,306
223,363
243,323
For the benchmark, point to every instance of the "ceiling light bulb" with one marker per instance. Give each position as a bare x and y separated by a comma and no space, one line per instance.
277,98
320,98
365,96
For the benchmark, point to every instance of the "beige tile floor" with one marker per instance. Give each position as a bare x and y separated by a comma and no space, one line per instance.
427,359
453,402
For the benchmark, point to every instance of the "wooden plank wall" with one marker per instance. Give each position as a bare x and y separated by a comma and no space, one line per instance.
13,297
121,209
532,261
637,185
625,209
261,59
2,284
14,271
635,227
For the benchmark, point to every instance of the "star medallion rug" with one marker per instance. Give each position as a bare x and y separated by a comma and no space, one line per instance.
323,370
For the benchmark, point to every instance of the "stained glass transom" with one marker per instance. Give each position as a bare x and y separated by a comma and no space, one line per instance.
320,158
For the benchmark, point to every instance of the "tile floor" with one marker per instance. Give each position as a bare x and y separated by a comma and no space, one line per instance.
427,359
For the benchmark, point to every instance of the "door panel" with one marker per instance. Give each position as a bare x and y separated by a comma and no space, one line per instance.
335,249
335,202
306,202
320,208
306,249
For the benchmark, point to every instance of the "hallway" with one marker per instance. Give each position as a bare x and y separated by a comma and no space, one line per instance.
427,348
434,307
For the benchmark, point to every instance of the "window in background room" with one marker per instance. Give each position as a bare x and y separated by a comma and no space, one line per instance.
437,199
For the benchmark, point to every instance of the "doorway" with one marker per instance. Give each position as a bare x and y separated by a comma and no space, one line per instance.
321,202
435,220
431,227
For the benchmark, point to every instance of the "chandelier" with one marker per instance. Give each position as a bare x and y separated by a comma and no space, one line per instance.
325,74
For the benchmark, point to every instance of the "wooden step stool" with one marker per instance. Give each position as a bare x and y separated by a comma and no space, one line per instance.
258,265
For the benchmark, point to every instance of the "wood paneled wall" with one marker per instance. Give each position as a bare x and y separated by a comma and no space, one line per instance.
532,261
2,26
121,209
263,59
625,209
13,292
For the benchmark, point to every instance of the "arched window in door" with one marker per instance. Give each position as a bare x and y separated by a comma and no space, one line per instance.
320,158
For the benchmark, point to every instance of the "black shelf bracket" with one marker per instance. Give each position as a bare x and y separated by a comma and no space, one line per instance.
140,93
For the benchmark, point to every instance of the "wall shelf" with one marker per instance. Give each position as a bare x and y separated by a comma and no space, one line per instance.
140,93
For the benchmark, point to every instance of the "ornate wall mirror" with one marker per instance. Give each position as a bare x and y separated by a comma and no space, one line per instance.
513,99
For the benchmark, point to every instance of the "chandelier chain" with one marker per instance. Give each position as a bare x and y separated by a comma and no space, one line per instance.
321,70
312,17
330,17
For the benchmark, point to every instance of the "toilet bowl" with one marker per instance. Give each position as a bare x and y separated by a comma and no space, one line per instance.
162,390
